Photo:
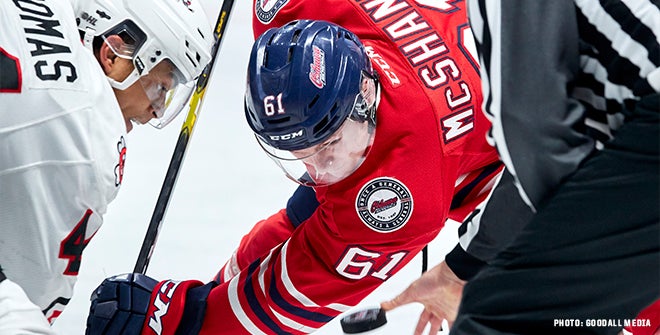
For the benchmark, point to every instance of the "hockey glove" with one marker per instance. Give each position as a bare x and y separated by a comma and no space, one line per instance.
132,304
120,304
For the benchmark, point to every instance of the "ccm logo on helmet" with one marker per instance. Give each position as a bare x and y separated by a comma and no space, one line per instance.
287,137
161,305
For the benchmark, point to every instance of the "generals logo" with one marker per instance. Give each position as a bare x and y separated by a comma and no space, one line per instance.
119,168
265,10
384,204
317,68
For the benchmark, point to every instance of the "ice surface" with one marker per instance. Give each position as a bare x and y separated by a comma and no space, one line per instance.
226,184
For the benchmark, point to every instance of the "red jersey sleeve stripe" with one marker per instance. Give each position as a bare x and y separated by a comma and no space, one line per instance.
254,309
254,304
296,294
464,191
236,307
283,319
295,310
290,310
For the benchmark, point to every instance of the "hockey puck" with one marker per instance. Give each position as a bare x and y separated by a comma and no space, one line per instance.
362,321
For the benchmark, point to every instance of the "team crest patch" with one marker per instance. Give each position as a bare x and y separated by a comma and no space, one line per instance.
384,204
265,10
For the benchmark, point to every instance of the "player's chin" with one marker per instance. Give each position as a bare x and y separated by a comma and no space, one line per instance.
137,121
129,125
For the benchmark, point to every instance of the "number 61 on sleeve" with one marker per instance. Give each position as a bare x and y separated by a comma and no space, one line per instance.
357,263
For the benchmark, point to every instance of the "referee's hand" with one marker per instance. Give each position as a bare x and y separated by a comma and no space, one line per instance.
439,290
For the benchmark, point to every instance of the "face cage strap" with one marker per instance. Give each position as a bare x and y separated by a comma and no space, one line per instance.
364,112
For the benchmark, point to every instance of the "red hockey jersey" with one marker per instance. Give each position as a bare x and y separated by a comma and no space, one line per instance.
429,162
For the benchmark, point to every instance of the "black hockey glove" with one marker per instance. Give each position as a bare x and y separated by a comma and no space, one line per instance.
120,304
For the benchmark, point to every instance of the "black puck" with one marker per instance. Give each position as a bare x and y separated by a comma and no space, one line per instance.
362,321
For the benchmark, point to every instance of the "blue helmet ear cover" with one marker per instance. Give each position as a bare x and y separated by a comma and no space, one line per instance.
303,82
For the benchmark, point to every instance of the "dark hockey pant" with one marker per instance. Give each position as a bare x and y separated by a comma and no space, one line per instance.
590,257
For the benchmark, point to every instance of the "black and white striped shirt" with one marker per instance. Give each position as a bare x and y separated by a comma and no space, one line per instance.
557,77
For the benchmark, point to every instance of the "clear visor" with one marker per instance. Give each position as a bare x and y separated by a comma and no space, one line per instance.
163,84
330,161
168,96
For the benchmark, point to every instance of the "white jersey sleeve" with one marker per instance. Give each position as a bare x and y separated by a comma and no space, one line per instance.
18,315
62,149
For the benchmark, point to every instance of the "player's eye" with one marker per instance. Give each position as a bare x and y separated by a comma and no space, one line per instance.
333,142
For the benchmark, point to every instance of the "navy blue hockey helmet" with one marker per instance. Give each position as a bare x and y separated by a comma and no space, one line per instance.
302,82
305,79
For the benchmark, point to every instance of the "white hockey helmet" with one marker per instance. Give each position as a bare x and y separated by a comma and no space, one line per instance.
173,30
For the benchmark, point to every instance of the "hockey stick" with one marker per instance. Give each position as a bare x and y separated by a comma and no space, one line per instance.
194,107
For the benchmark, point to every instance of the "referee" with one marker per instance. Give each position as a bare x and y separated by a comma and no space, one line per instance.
572,90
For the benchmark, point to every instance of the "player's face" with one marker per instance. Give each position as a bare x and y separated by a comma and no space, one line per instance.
338,156
145,99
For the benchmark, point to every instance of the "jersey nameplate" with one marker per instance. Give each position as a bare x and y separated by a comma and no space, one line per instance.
50,50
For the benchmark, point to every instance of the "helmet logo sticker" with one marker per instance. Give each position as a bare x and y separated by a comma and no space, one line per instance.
384,204
265,10
89,19
317,68
286,137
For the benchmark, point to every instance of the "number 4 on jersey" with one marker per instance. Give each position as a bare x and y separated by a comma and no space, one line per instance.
10,73
72,246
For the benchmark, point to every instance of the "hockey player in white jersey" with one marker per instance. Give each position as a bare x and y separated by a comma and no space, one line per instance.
74,78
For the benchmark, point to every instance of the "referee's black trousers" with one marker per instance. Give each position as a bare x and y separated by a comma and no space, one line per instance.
590,257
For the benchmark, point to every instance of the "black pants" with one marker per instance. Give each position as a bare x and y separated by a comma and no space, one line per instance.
590,257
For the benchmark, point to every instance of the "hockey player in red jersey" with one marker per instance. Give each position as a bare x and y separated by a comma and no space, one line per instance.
380,123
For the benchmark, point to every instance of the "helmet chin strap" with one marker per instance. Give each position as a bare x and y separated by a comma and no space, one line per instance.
126,83
88,42
116,84
372,110
377,100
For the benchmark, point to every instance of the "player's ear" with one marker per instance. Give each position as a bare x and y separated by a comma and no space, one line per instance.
107,57
114,66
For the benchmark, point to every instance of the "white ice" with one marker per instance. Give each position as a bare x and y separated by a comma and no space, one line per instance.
226,184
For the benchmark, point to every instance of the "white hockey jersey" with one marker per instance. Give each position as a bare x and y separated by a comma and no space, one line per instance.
62,149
